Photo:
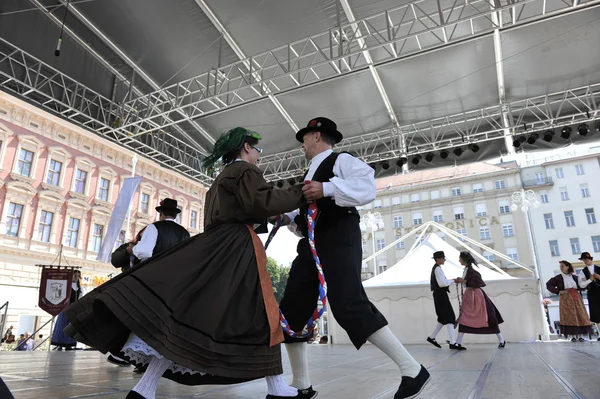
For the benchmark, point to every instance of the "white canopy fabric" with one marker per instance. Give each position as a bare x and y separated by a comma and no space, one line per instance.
415,268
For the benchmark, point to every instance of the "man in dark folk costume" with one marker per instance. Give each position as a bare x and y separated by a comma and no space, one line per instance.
593,290
443,308
203,311
338,183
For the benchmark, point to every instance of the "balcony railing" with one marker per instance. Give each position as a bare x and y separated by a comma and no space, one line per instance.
546,181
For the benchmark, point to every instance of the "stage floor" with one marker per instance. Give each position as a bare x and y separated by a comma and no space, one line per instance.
540,370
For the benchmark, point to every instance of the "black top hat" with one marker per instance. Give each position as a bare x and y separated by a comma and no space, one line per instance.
586,255
439,255
168,204
323,125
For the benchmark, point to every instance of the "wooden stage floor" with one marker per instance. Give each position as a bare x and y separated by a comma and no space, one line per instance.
532,371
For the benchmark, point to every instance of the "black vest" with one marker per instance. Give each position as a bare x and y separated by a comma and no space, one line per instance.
595,284
169,234
433,282
328,210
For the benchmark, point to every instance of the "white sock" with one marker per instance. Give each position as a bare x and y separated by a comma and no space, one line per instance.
450,328
299,362
436,330
276,386
460,338
387,342
500,338
149,382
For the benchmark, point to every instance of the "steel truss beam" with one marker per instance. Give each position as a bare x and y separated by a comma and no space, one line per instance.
529,115
397,33
29,78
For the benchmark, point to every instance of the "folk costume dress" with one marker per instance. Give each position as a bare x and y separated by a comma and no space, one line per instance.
574,319
206,304
478,314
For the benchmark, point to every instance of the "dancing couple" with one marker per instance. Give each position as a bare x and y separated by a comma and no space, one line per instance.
155,315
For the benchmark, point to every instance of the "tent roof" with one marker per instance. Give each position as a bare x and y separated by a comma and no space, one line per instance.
272,65
415,267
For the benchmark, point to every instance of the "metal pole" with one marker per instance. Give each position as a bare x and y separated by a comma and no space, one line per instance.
133,164
374,257
51,332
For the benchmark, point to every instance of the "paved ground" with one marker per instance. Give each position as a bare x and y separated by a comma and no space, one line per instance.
541,370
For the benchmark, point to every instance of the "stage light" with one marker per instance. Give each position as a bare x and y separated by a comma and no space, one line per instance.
458,151
401,161
385,165
300,179
416,159
583,129
532,138
279,184
373,165
473,147
292,181
444,154
518,141
598,127
548,135
429,157
565,133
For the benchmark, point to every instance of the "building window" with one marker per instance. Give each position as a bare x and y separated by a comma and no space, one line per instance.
54,170
489,256
438,216
178,217
399,244
549,221
377,204
507,230
585,191
504,206
145,203
477,187
564,194
80,179
484,233
395,200
500,184
462,232
193,219
441,235
590,215
397,221
596,243
569,218
381,266
45,226
72,233
13,219
24,163
120,240
97,237
481,210
512,253
459,213
415,197
544,198
380,243
559,173
575,247
579,170
417,219
456,191
554,250
539,178
434,194
103,189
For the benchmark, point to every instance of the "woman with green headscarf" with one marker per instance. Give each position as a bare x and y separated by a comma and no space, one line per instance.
202,312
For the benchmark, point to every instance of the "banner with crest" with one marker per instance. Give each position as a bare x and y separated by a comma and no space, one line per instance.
55,289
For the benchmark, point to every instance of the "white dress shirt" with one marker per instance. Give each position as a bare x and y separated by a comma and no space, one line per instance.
441,279
143,249
590,269
353,183
570,282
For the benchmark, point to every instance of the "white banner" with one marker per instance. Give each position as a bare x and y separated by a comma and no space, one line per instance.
117,218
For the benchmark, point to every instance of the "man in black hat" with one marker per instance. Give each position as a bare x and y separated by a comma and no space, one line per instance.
593,290
338,183
443,308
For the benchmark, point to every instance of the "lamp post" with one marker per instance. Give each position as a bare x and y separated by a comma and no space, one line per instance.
524,200
372,222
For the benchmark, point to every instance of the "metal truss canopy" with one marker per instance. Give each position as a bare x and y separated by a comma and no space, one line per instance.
32,79
397,33
529,115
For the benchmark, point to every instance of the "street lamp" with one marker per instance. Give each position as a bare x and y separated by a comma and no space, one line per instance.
524,200
372,222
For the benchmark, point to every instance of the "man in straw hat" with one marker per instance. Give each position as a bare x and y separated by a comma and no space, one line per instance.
593,290
338,183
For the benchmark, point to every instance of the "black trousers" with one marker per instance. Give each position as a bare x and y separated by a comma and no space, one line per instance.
338,244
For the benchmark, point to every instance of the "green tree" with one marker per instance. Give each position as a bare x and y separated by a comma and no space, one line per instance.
279,277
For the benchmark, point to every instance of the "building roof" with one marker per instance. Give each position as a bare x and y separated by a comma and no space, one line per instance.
440,174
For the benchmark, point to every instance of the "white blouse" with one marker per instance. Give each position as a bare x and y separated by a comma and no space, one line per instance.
570,282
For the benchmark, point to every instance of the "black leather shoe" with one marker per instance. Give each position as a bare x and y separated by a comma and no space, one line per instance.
118,362
134,395
308,393
433,342
502,345
411,387
458,347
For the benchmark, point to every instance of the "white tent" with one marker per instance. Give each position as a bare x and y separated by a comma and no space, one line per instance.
415,267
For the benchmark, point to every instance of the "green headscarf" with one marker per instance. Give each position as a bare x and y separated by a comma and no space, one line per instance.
231,141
